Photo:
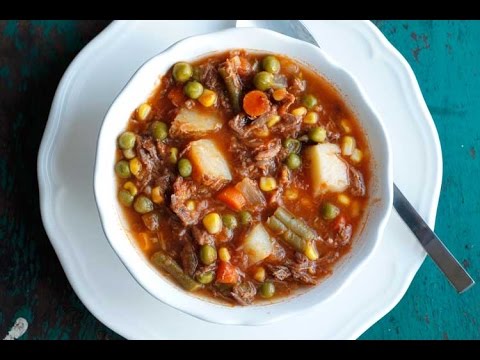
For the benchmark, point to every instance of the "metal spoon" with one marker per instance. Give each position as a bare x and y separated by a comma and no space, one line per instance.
444,259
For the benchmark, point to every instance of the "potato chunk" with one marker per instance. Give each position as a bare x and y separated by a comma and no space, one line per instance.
257,244
328,172
191,123
209,165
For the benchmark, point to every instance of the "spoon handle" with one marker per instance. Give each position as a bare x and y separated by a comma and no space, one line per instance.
444,259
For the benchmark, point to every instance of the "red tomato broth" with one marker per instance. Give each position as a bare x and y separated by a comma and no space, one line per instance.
331,108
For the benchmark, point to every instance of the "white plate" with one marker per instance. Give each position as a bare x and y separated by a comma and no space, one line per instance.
65,171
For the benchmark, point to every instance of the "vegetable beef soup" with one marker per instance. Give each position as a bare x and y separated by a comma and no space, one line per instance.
244,177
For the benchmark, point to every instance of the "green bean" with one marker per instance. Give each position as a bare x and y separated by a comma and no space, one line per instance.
166,263
233,85
294,224
288,236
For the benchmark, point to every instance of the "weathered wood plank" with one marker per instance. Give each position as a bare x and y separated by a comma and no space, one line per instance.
33,57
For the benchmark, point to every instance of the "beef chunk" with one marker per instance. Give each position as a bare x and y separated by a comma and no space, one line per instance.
184,190
244,293
357,183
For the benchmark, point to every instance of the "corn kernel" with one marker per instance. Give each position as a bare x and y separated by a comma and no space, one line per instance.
224,254
311,251
130,186
348,145
208,98
173,156
273,120
144,241
262,132
143,111
345,125
355,209
356,156
300,111
190,205
157,197
268,183
311,118
212,223
291,194
279,94
344,199
259,274
135,167
129,154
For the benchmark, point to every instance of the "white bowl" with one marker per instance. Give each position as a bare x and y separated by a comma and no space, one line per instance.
138,90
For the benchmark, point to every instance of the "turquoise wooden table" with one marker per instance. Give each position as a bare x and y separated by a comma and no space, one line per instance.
33,56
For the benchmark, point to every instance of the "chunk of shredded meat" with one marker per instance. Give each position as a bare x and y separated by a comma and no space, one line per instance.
357,183
244,293
189,258
184,190
289,126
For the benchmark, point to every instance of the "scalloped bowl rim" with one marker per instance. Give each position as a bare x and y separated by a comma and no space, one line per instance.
141,85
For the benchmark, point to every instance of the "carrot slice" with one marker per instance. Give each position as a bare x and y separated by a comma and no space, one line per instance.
227,273
256,103
233,198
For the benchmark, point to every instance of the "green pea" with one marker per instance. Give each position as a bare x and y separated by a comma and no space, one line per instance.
292,145
173,156
267,290
185,167
193,89
293,161
159,130
330,211
230,221
263,80
309,101
126,141
208,254
245,217
125,197
271,64
206,277
182,71
318,134
122,168
143,204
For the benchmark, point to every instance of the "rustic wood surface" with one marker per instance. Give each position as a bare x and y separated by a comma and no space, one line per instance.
33,56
